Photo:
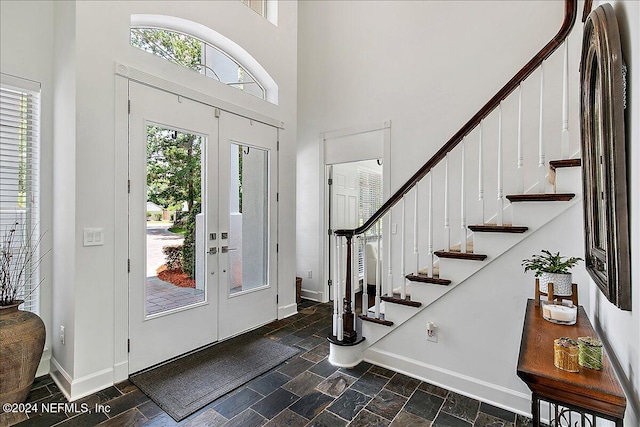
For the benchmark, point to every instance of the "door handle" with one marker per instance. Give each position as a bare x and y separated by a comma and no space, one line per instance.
213,250
225,249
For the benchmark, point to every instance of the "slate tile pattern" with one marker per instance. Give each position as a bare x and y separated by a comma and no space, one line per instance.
306,391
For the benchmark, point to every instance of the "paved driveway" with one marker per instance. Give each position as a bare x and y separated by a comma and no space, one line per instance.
158,236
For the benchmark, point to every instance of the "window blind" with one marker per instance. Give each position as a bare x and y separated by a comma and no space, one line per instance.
19,173
369,201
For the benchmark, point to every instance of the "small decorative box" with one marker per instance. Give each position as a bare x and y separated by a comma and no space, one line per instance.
565,354
590,352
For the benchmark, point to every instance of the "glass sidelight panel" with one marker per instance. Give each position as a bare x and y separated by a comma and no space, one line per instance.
175,225
248,249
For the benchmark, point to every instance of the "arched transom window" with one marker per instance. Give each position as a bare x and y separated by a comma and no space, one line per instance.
196,52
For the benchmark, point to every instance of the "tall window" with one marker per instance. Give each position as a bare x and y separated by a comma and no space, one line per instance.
259,6
369,201
369,196
194,54
19,169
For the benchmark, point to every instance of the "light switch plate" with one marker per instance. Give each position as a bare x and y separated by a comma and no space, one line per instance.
93,236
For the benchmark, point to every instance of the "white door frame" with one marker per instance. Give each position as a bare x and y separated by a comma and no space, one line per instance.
124,74
355,154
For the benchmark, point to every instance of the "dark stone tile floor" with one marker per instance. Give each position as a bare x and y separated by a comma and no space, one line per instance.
304,391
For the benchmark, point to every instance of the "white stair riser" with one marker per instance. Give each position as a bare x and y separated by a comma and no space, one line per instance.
490,243
536,214
569,180
427,293
400,313
457,270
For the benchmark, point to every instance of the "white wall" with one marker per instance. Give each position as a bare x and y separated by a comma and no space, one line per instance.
27,51
427,66
621,329
89,37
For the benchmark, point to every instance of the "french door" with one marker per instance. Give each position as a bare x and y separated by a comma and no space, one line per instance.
169,135
202,225
248,215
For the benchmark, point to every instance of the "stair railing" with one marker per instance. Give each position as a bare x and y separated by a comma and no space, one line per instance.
344,319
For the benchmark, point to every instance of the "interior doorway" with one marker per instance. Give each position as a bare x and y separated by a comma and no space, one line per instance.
355,193
355,160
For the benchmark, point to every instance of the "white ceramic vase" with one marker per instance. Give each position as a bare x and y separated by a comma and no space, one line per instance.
561,283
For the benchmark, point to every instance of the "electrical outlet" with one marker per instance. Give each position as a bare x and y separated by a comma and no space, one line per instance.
309,274
432,332
61,334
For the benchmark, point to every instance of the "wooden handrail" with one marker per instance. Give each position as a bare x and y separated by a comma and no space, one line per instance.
570,13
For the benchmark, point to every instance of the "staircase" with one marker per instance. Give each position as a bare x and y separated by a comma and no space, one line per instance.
447,227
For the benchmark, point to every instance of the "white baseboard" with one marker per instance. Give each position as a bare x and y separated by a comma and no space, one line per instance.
61,378
312,295
287,310
496,395
74,389
120,371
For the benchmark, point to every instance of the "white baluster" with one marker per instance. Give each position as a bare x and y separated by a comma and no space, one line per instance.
520,172
355,277
565,102
463,211
415,230
430,257
336,286
340,335
541,156
447,234
389,258
365,278
481,173
402,250
378,273
500,190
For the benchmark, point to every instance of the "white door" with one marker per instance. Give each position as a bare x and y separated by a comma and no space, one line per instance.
173,148
343,208
248,224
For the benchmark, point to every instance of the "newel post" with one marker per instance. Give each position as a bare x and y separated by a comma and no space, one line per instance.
350,334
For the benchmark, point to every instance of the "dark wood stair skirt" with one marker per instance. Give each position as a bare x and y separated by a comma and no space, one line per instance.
401,301
423,278
566,163
459,255
559,197
492,228
374,320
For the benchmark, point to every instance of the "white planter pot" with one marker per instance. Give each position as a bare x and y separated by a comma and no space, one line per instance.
561,283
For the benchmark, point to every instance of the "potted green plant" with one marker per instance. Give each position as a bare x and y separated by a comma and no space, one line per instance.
22,333
552,268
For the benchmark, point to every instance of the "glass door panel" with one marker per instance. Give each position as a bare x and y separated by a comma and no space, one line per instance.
248,218
175,263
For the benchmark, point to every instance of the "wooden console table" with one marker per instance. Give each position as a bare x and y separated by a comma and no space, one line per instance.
571,398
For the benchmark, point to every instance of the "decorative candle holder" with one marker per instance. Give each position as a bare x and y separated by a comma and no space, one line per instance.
565,354
559,313
590,353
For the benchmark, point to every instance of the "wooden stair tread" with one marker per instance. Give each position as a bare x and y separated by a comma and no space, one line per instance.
459,255
545,197
423,278
374,320
566,163
493,228
401,301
